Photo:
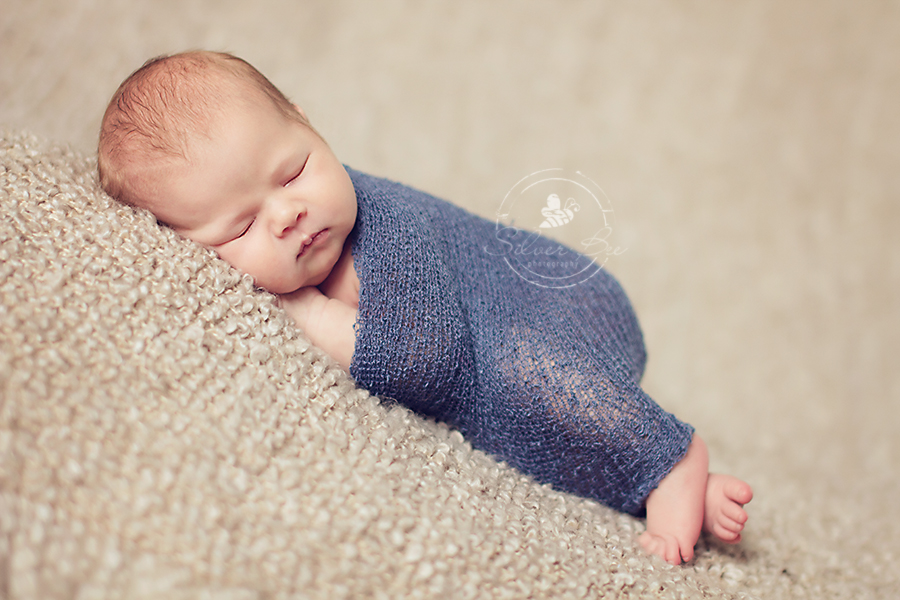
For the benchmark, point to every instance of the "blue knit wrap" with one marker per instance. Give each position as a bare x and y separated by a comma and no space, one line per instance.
544,379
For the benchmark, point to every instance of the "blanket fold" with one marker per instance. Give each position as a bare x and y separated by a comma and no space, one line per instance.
545,379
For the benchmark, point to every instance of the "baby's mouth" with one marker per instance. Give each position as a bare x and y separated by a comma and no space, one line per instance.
310,241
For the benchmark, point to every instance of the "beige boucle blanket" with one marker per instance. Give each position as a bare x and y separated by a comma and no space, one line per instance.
165,432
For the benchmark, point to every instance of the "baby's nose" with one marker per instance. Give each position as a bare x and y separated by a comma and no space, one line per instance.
288,225
286,214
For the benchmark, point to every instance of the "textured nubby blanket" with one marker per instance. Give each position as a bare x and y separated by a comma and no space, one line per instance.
544,377
165,432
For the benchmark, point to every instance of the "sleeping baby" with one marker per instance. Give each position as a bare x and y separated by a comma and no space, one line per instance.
412,297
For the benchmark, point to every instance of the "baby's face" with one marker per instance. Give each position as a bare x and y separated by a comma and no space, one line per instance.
267,194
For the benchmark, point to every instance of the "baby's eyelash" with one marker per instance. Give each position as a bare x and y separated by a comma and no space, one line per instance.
246,229
295,176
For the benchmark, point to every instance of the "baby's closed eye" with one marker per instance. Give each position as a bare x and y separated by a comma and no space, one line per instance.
246,229
231,237
297,173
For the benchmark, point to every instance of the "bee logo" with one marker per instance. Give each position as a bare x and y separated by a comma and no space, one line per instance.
555,215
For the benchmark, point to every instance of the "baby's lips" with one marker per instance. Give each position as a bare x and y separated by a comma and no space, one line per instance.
310,240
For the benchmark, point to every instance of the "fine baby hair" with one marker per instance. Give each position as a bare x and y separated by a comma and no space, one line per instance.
158,110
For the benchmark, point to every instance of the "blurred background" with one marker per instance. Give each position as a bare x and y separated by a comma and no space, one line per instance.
751,152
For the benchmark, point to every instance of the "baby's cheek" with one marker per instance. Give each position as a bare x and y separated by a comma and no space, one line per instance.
245,262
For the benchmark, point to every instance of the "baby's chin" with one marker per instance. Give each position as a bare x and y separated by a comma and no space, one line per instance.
282,288
322,268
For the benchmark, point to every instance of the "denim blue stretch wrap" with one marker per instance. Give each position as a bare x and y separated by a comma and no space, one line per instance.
544,379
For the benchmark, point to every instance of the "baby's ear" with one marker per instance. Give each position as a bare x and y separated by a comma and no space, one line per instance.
300,110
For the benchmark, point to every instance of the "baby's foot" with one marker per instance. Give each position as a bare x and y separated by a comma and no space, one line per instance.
724,515
675,508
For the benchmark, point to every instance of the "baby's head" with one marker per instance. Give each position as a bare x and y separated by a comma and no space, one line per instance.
214,150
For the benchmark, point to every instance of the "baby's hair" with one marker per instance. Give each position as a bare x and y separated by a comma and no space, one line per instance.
161,106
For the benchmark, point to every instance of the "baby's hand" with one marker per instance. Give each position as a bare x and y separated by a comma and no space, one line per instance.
327,322
305,306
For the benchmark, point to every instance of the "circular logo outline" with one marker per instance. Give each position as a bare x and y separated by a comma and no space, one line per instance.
595,247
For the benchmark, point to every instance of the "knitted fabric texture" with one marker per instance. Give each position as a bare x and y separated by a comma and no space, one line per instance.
546,379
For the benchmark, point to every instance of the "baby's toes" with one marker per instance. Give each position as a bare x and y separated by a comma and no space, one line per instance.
734,512
686,553
673,551
652,544
728,523
738,491
664,546
728,531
